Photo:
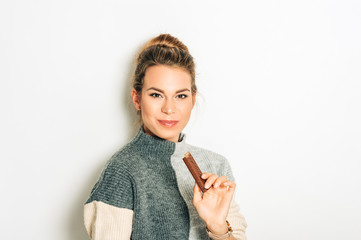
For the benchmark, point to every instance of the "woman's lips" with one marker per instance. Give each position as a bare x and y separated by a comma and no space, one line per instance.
168,123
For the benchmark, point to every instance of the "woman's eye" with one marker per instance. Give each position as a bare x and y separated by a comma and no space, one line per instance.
182,96
155,95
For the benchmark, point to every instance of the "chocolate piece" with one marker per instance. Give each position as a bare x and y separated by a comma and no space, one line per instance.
195,171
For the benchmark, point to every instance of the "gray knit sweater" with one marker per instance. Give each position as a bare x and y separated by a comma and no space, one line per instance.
149,177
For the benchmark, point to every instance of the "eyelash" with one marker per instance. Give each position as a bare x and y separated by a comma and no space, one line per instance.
182,96
157,95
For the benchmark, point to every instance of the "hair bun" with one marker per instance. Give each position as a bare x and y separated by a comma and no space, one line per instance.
168,41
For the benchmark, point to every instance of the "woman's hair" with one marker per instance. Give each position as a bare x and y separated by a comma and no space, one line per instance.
163,50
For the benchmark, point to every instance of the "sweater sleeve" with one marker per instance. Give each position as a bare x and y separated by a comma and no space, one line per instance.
234,217
108,213
103,221
237,221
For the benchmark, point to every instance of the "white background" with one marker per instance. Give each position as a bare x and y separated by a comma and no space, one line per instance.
280,97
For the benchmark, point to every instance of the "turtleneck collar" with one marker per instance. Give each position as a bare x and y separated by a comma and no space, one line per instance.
152,144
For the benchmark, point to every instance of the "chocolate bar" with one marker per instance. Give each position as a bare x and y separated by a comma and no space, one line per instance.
195,171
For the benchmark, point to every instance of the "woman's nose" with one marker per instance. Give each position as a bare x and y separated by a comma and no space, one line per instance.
168,107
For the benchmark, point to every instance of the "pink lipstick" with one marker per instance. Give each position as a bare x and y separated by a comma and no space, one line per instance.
168,123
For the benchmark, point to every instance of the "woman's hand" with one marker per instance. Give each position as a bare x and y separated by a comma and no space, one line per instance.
213,206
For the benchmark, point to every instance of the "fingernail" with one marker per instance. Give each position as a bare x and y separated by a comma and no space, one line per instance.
206,185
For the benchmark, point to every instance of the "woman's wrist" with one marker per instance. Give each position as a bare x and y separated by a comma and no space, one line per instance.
219,234
217,228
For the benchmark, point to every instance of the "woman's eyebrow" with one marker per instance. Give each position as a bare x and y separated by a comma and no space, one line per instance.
161,91
156,89
183,90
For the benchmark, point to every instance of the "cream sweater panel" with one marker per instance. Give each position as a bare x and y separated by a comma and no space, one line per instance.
105,222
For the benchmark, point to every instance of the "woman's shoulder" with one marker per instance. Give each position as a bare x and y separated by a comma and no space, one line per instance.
125,158
122,162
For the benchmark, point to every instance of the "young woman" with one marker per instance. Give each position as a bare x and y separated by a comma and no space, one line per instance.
146,190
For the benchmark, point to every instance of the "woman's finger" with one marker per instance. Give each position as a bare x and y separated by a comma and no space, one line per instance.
219,181
197,195
231,186
210,180
206,175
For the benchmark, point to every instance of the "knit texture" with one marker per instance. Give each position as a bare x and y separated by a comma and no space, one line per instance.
149,177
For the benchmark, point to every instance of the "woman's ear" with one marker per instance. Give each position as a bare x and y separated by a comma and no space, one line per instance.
194,96
136,99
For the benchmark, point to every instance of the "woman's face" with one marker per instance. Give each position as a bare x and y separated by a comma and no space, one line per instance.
166,101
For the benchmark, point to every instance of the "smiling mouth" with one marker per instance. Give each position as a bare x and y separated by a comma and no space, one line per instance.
168,123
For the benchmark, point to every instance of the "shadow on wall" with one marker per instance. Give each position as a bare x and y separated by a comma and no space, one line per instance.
76,222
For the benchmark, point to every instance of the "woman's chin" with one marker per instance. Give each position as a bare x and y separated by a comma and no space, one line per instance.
166,133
